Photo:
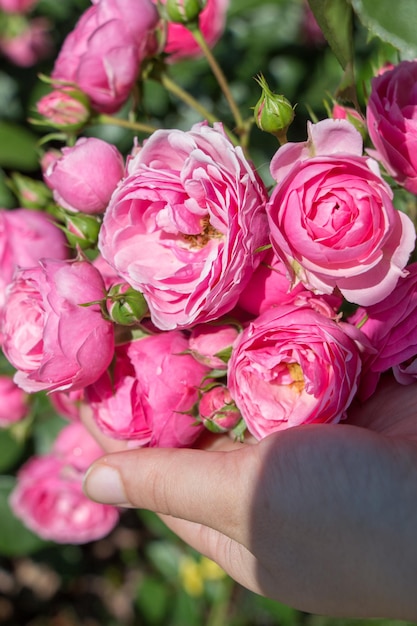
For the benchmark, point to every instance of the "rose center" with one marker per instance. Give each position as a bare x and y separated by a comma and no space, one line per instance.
202,238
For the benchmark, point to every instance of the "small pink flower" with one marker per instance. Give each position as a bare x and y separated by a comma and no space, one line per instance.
331,217
53,341
17,6
13,402
180,42
103,54
149,395
185,225
392,122
291,366
64,108
85,176
48,497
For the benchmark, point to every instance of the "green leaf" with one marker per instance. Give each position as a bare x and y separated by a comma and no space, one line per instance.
394,23
10,450
15,538
18,147
335,20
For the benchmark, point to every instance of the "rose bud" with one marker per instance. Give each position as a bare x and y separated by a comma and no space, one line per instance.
184,11
31,193
125,305
273,113
218,411
81,230
66,109
212,344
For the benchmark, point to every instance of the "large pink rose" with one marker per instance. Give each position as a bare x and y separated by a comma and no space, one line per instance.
53,341
48,497
149,395
292,366
102,55
180,42
391,326
25,237
185,225
85,176
391,116
332,220
13,402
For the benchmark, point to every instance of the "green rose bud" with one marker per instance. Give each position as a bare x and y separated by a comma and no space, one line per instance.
125,305
273,113
184,11
66,109
81,230
31,193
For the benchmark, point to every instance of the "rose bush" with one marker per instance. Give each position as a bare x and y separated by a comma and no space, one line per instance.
103,54
392,122
185,225
48,496
332,220
53,341
291,366
149,395
85,176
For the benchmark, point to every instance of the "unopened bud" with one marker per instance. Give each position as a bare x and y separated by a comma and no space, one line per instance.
218,411
125,305
81,230
350,114
66,109
184,11
31,193
273,113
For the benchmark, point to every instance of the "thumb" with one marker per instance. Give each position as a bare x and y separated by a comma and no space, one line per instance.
195,485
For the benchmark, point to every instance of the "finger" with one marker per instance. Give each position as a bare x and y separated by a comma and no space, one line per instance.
201,486
236,560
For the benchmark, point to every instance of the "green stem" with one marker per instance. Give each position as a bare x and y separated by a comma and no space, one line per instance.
220,77
186,97
118,121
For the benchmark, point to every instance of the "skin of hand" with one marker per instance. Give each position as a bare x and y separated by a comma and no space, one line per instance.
319,517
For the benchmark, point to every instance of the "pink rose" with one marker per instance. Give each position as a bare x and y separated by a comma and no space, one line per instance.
25,237
391,115
185,225
67,404
180,42
48,497
332,220
17,6
53,341
391,326
149,395
208,341
218,411
292,366
102,55
32,44
86,175
13,402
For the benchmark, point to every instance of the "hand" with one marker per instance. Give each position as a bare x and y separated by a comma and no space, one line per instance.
320,517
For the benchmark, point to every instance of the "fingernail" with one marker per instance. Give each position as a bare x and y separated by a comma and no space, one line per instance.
102,483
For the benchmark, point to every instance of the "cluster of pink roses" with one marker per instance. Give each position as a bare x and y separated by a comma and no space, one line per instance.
233,295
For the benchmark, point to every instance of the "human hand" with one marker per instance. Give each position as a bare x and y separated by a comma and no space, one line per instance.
322,518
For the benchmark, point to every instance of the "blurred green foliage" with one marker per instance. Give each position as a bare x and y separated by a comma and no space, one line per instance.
142,574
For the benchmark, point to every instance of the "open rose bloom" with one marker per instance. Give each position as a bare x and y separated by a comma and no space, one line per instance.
184,227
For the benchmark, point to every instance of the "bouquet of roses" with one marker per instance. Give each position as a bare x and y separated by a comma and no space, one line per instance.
170,291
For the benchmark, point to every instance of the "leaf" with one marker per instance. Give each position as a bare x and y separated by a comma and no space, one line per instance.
393,23
335,20
15,538
18,147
